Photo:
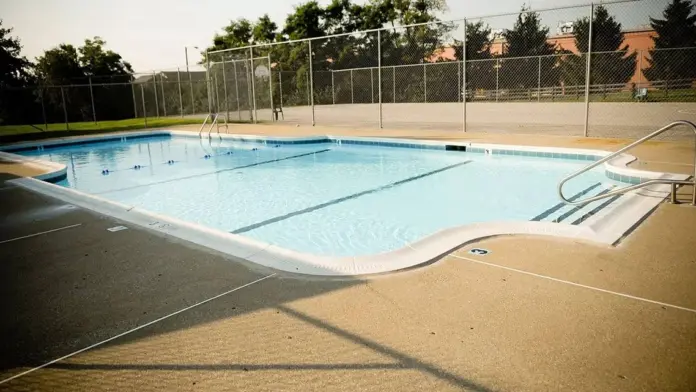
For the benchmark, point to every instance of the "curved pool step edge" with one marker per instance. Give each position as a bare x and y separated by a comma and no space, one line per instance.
52,171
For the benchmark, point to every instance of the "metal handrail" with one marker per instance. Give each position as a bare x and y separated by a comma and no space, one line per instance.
642,184
212,124
200,131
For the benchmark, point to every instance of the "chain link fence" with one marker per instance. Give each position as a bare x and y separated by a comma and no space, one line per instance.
593,70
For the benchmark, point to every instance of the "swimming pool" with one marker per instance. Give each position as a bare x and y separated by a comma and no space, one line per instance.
332,197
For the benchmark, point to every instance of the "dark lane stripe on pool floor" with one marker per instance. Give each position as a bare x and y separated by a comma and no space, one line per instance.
560,205
215,172
576,209
596,210
345,198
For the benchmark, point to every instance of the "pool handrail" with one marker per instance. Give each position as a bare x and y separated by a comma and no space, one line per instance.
674,183
200,131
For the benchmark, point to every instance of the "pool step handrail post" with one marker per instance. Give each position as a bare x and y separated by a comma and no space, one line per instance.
674,183
213,123
200,131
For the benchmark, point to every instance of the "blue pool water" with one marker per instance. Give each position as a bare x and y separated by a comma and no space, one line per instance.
321,198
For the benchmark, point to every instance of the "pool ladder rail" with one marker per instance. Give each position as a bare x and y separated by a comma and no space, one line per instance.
213,117
674,183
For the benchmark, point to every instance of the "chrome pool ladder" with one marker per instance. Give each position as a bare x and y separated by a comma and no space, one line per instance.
674,183
213,117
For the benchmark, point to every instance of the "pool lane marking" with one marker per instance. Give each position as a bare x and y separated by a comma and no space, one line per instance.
576,284
342,199
596,210
558,206
216,172
134,329
578,208
41,233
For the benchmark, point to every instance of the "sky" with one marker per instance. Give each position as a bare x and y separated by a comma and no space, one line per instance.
151,35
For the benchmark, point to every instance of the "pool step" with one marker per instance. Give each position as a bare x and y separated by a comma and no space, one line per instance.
572,214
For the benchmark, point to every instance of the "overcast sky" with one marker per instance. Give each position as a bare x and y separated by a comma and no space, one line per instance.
151,35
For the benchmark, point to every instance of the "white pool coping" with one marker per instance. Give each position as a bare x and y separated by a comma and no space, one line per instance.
606,227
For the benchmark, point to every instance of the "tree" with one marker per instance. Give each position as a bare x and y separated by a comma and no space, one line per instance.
528,38
264,31
478,47
611,63
95,61
75,68
676,30
346,51
305,22
14,68
60,65
17,105
237,34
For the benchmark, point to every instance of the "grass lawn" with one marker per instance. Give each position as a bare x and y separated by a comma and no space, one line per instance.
102,126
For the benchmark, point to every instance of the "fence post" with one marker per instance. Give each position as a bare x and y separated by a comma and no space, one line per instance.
333,92
497,71
154,89
459,81
270,84
65,109
208,88
43,110
224,90
372,86
280,84
587,73
236,89
135,102
91,96
193,102
181,98
379,75
164,99
311,81
217,95
352,99
253,82
640,69
539,81
394,82
425,85
464,78
247,68
142,95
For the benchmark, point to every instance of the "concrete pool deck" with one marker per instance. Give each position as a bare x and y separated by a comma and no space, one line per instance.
455,324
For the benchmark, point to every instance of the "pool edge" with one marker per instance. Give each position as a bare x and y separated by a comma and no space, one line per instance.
604,229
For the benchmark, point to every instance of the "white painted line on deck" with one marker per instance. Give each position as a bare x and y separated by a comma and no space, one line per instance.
134,329
41,233
577,284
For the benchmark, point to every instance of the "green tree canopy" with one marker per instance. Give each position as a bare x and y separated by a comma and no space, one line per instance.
60,65
95,61
523,43
90,63
478,42
14,68
528,37
676,30
16,104
611,62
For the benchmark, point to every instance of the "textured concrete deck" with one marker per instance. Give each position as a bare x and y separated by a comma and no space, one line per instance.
535,314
